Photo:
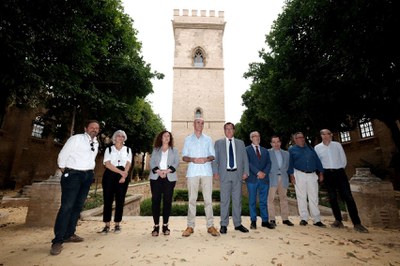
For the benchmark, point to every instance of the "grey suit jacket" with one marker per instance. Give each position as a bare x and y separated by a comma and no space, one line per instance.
219,164
172,162
275,170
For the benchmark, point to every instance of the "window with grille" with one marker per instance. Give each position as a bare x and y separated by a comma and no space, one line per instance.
366,129
198,58
345,136
38,127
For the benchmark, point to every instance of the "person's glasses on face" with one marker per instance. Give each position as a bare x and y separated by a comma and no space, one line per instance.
92,146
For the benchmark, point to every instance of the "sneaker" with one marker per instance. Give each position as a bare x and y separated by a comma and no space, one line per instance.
273,223
211,230
105,230
287,222
188,232
319,224
56,248
337,224
303,222
74,238
360,228
117,229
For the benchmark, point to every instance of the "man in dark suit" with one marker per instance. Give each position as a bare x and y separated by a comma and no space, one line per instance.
230,166
258,181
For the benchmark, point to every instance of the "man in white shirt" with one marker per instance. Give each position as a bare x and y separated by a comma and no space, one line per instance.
199,152
76,161
334,161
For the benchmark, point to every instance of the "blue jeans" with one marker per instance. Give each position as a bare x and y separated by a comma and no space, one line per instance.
75,187
261,188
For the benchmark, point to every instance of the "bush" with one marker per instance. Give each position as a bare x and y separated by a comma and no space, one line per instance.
93,201
182,195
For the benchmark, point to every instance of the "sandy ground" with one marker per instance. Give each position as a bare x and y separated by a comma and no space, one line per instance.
298,245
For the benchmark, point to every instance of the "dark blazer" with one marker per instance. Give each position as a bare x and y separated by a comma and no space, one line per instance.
219,164
256,165
172,162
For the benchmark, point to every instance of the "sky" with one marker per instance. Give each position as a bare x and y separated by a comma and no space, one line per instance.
247,23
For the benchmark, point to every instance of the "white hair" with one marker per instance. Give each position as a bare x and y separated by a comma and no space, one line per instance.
119,133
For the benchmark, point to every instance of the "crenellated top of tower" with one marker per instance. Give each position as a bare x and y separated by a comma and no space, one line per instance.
202,18
197,13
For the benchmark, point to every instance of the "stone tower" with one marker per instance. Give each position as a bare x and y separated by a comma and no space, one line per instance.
198,89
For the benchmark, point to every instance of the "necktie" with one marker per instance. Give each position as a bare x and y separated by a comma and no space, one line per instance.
258,153
231,158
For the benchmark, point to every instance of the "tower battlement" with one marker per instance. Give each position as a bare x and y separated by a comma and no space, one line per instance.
197,13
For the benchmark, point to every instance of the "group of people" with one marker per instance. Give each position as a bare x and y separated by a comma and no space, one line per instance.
264,171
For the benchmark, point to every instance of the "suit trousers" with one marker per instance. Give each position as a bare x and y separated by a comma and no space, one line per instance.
283,200
163,189
307,188
193,184
231,186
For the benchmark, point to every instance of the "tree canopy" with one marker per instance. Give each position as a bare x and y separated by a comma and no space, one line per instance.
330,64
79,59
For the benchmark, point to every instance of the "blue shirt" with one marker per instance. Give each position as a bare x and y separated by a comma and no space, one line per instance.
304,159
196,148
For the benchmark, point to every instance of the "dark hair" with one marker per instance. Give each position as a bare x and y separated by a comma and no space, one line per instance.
158,139
276,136
91,121
229,123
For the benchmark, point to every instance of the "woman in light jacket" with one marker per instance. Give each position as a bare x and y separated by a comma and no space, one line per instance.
164,163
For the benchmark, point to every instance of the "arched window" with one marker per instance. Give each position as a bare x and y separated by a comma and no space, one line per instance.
198,59
38,126
198,113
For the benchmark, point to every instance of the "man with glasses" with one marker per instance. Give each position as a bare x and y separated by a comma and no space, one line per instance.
303,166
76,161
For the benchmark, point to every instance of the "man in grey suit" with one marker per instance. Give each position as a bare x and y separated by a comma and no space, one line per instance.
278,181
230,166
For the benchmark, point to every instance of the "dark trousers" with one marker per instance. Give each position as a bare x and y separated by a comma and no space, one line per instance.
163,189
75,187
112,189
337,181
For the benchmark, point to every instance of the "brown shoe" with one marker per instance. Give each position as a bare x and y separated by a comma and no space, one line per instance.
188,232
56,248
74,238
211,230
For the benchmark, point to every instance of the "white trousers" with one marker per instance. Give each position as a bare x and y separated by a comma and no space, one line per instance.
193,184
307,188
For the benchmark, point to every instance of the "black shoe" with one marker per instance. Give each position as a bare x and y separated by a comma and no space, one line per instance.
105,230
117,229
360,228
253,225
288,223
268,225
156,230
319,224
166,230
223,229
241,228
303,222
273,223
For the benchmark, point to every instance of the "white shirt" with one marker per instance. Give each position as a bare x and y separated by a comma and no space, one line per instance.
254,148
227,153
77,153
332,156
196,148
117,157
164,160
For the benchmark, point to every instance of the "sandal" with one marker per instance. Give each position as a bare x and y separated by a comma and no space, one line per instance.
155,231
165,230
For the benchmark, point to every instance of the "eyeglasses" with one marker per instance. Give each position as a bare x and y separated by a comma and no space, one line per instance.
92,146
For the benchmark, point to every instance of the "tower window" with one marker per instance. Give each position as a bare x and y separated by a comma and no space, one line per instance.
198,58
366,129
198,113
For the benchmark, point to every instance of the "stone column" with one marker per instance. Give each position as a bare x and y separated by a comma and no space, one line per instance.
45,200
375,200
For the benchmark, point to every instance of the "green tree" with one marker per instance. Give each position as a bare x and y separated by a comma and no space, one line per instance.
330,64
79,59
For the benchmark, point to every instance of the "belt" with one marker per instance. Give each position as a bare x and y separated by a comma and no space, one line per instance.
231,170
333,170
306,172
70,169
